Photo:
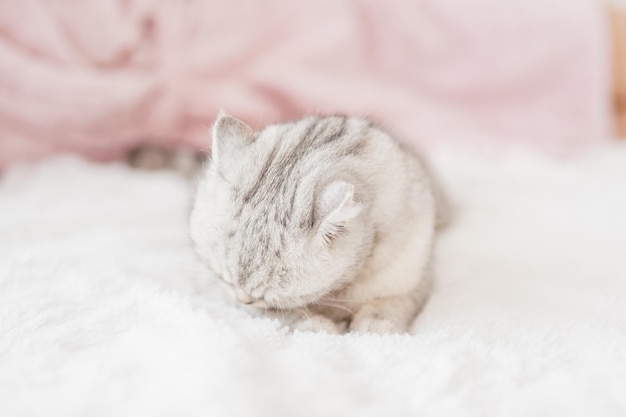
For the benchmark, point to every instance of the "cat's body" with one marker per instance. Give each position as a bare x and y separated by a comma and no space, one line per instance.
324,219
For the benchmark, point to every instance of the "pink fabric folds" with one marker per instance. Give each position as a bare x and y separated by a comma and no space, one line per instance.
99,76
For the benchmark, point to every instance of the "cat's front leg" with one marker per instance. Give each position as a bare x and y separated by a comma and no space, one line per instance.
307,321
389,315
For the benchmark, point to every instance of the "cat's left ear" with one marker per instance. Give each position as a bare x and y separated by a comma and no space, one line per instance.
229,135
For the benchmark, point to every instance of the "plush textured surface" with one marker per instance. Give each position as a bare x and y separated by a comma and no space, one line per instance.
103,310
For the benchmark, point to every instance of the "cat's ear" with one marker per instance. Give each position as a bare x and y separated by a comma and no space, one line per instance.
338,207
229,135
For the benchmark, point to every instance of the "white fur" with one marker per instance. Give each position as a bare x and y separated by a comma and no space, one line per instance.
105,311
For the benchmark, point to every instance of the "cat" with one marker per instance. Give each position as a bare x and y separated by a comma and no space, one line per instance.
326,223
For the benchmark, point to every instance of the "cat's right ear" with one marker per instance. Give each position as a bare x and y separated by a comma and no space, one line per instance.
229,135
338,208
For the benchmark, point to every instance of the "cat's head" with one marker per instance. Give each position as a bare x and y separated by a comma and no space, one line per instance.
276,227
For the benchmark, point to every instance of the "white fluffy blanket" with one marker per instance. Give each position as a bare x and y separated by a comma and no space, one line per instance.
104,311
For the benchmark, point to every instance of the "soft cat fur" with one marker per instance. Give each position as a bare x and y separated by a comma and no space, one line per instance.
322,221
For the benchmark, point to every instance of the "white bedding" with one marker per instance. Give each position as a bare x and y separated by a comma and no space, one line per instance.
104,311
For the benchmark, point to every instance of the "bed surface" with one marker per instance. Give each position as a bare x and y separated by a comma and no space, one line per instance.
105,311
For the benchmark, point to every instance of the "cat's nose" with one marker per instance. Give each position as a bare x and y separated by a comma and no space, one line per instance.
242,297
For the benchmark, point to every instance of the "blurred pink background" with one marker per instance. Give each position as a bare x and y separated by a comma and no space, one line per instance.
98,77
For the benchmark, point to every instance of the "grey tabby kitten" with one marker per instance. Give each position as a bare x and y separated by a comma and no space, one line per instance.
322,221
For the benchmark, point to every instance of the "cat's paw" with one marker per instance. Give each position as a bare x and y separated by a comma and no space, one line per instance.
371,321
316,324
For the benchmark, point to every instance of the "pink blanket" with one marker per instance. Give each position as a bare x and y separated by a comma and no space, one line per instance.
100,76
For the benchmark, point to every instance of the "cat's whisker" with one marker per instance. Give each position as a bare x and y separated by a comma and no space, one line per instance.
344,300
339,306
306,313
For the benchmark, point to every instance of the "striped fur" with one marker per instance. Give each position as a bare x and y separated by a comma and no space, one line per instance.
298,215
